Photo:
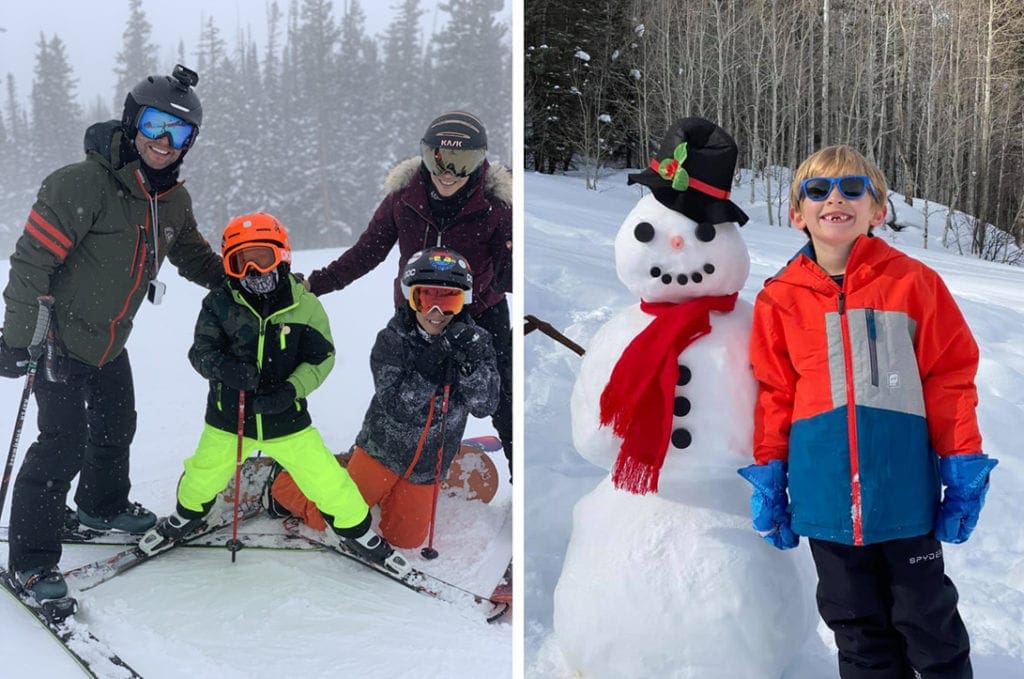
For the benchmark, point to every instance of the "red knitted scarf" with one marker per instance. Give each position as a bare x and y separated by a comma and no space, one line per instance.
638,399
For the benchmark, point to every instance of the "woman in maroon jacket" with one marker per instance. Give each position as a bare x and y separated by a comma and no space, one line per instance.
450,197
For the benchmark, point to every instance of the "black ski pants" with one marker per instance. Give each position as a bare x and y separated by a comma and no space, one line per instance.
892,609
495,320
86,426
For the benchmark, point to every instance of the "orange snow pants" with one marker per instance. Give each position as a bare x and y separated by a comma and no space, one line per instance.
404,506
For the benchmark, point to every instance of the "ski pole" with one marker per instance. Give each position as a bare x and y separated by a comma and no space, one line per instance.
234,544
35,350
429,552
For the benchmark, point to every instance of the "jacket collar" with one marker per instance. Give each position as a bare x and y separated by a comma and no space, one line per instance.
104,144
868,254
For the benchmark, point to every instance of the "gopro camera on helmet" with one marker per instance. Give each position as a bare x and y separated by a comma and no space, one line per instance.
186,76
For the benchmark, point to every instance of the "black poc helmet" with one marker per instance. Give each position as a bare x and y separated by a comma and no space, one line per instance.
438,266
454,142
172,94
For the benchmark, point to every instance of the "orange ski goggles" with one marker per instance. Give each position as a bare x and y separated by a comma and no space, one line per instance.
448,301
261,257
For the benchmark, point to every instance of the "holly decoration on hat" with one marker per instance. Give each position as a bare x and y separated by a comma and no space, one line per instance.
671,168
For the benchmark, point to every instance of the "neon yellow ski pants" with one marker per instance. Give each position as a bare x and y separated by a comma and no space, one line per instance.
303,454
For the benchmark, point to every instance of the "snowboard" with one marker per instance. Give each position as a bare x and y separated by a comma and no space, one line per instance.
472,473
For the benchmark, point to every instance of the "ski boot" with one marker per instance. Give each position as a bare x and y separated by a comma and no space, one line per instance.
274,508
133,518
373,548
42,584
170,529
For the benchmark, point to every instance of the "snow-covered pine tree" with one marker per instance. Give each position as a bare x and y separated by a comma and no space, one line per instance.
137,57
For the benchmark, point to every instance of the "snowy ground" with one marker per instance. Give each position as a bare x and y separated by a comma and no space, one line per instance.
571,283
272,613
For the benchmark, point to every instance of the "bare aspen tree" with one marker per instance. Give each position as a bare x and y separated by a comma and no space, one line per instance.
929,89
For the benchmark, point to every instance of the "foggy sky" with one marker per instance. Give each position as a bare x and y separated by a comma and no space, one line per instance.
92,33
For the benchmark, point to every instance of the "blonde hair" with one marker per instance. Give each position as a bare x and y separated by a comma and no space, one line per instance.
836,161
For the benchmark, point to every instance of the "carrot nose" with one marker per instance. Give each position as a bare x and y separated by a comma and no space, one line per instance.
677,242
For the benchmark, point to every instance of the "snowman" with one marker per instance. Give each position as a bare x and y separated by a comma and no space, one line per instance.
663,576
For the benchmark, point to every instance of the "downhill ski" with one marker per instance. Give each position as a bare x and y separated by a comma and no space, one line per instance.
258,533
503,593
416,580
254,476
94,657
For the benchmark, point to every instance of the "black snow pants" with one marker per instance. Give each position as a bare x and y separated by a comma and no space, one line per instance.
86,426
495,320
892,610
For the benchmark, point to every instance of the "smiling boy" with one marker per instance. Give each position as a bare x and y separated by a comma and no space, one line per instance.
865,410
433,367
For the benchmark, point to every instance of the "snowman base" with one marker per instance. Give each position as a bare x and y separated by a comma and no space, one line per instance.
656,588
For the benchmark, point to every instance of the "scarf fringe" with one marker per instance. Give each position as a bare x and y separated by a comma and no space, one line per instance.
635,476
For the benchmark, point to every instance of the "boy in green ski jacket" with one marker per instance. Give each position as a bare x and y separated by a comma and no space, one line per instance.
264,335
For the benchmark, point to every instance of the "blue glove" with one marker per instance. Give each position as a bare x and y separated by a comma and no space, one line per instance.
769,504
966,481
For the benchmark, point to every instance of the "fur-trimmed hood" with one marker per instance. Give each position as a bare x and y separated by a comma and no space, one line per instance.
480,232
497,179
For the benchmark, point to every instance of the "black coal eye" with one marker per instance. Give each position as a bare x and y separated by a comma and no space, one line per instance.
705,232
644,232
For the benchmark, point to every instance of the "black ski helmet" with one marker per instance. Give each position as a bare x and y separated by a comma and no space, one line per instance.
172,94
454,142
438,266
456,129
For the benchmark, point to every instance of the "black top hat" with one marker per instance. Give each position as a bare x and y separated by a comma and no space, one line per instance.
693,172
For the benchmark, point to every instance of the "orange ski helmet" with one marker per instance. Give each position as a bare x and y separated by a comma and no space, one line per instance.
256,241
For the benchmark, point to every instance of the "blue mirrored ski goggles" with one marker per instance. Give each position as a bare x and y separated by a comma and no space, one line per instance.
851,186
154,123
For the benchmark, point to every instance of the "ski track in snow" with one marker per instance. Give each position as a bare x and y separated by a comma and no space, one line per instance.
570,281
271,613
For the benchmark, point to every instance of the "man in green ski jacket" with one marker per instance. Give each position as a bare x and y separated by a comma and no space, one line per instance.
94,241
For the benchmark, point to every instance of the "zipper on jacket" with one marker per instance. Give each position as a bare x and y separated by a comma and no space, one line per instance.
260,345
872,345
851,425
259,369
137,252
112,326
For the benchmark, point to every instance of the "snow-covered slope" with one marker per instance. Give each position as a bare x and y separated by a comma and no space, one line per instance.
571,283
272,613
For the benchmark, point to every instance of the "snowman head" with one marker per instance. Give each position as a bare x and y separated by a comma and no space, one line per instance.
663,256
681,241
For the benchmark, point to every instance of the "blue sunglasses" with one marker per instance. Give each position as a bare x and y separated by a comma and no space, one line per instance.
154,123
850,186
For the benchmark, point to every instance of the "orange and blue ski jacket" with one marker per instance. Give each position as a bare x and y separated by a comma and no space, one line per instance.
860,387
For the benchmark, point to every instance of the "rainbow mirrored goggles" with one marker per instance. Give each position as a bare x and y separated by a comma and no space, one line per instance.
262,257
449,301
851,186
154,124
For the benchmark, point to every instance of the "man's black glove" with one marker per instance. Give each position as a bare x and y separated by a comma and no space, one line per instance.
13,360
274,400
433,361
469,346
238,375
